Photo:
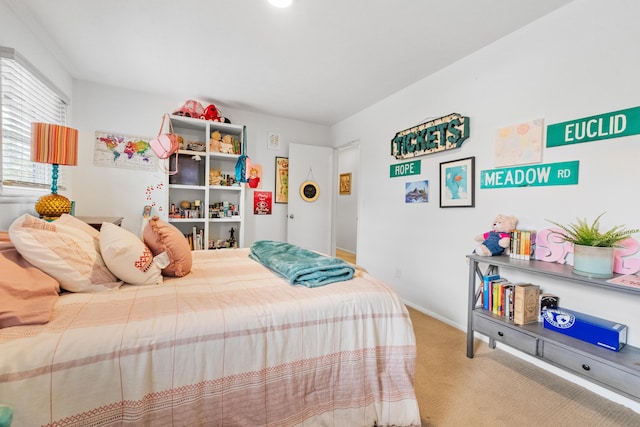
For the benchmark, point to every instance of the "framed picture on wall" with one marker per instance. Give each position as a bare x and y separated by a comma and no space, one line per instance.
282,180
345,183
457,183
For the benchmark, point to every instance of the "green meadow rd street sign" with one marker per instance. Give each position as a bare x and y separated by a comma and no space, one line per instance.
605,126
405,169
564,173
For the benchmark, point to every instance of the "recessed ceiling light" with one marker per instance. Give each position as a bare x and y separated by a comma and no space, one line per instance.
281,3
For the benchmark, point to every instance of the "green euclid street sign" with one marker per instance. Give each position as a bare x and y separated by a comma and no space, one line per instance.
605,126
405,169
564,173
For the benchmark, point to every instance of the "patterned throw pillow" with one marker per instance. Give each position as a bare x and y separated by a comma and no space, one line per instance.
162,237
127,256
65,250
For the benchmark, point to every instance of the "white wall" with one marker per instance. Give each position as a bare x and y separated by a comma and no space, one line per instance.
577,62
15,33
122,192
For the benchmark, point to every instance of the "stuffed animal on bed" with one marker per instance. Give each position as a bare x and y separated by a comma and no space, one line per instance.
495,241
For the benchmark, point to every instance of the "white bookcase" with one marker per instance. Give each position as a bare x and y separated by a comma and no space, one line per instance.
191,184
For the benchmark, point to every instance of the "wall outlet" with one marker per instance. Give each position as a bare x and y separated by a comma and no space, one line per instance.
398,273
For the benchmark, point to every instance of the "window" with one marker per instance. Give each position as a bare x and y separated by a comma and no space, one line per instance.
25,96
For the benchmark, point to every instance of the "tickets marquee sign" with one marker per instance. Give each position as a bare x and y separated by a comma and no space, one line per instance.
434,136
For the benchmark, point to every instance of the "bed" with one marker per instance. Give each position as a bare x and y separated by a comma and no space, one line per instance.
231,343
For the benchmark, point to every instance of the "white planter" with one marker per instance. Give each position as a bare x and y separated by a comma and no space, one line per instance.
593,261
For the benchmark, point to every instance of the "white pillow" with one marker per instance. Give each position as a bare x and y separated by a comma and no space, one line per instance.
127,256
65,250
72,221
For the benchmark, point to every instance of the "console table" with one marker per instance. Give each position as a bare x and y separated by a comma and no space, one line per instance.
617,371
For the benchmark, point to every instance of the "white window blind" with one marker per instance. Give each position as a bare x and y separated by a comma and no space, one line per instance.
26,96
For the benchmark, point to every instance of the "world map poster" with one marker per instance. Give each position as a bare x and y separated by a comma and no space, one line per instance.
121,151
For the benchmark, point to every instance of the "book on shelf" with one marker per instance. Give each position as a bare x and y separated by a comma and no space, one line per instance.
495,304
486,290
504,302
514,244
629,280
498,296
522,244
508,301
525,303
531,245
198,238
195,238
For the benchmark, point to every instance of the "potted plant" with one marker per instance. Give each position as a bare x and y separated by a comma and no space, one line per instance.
592,248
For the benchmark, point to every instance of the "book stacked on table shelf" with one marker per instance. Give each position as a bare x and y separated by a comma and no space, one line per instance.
518,302
497,296
526,303
522,245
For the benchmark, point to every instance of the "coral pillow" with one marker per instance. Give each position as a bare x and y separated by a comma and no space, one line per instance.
65,251
127,256
162,237
27,295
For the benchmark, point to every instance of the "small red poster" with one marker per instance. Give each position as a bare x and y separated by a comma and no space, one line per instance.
262,202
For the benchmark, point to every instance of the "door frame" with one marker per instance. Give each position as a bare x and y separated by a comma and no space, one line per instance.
334,213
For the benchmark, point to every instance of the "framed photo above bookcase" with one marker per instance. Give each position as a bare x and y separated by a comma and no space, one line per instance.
457,183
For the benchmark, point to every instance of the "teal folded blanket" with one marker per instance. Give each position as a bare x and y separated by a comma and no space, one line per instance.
300,266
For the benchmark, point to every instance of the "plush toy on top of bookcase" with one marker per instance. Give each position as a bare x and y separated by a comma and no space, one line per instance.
495,241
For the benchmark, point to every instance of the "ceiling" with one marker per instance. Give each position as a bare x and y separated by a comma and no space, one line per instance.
319,61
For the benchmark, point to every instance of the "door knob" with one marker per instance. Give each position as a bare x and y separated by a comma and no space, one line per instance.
291,216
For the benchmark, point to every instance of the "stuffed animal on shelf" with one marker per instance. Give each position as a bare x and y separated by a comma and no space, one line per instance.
227,145
210,112
215,177
495,241
215,143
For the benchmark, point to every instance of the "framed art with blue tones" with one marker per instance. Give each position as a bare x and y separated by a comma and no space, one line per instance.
457,183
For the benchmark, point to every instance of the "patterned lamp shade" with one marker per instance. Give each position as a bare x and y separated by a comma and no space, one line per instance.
54,144
57,145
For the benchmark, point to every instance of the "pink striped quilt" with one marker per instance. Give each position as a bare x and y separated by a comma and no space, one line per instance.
230,344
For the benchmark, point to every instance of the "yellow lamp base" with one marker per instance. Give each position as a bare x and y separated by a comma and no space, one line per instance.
51,206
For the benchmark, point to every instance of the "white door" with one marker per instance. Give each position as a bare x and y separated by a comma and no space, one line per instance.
309,221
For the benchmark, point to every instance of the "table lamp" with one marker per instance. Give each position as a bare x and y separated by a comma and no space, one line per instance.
56,145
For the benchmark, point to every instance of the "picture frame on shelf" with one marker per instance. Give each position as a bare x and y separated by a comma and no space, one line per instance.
282,180
457,183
